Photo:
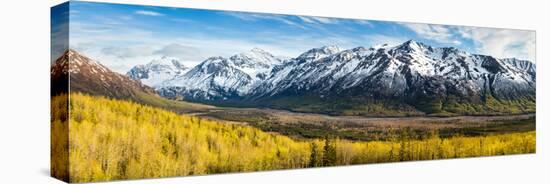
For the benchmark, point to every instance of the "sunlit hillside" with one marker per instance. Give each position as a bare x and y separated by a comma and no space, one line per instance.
113,139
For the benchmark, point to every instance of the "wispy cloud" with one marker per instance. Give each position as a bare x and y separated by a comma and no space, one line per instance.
257,17
437,33
148,13
363,22
122,40
319,20
127,51
183,52
503,43
379,39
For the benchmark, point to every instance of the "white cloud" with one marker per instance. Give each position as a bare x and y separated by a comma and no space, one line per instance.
437,33
256,17
384,39
117,58
319,20
137,46
131,51
364,22
148,13
502,43
325,20
183,52
104,43
307,19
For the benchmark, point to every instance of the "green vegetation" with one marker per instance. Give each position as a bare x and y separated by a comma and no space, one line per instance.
114,139
347,107
313,131
451,106
493,128
490,105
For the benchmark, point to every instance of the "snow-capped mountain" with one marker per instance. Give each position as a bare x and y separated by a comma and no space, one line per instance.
157,71
305,71
405,69
219,78
317,53
410,73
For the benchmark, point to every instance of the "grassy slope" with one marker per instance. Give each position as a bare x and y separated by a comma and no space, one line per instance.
114,139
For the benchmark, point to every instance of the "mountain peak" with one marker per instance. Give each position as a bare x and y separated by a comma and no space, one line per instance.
213,58
411,41
75,61
317,53
70,51
253,53
379,46
89,76
412,45
331,49
158,70
165,60
253,58
258,50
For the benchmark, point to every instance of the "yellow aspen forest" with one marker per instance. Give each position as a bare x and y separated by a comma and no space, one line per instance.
114,139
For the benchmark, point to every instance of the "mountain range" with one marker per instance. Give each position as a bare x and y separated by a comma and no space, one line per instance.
412,77
74,72
221,79
407,79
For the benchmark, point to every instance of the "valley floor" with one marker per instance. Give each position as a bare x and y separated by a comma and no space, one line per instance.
115,139
311,125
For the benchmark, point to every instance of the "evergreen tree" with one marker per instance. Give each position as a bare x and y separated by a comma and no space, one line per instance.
314,158
329,157
404,144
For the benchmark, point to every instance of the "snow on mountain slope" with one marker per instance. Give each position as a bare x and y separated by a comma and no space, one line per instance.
312,67
223,78
318,53
410,70
521,65
157,71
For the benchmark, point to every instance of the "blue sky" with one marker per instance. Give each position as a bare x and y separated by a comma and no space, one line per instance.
122,36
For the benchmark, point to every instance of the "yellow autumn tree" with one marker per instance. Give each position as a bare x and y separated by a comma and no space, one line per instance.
113,139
